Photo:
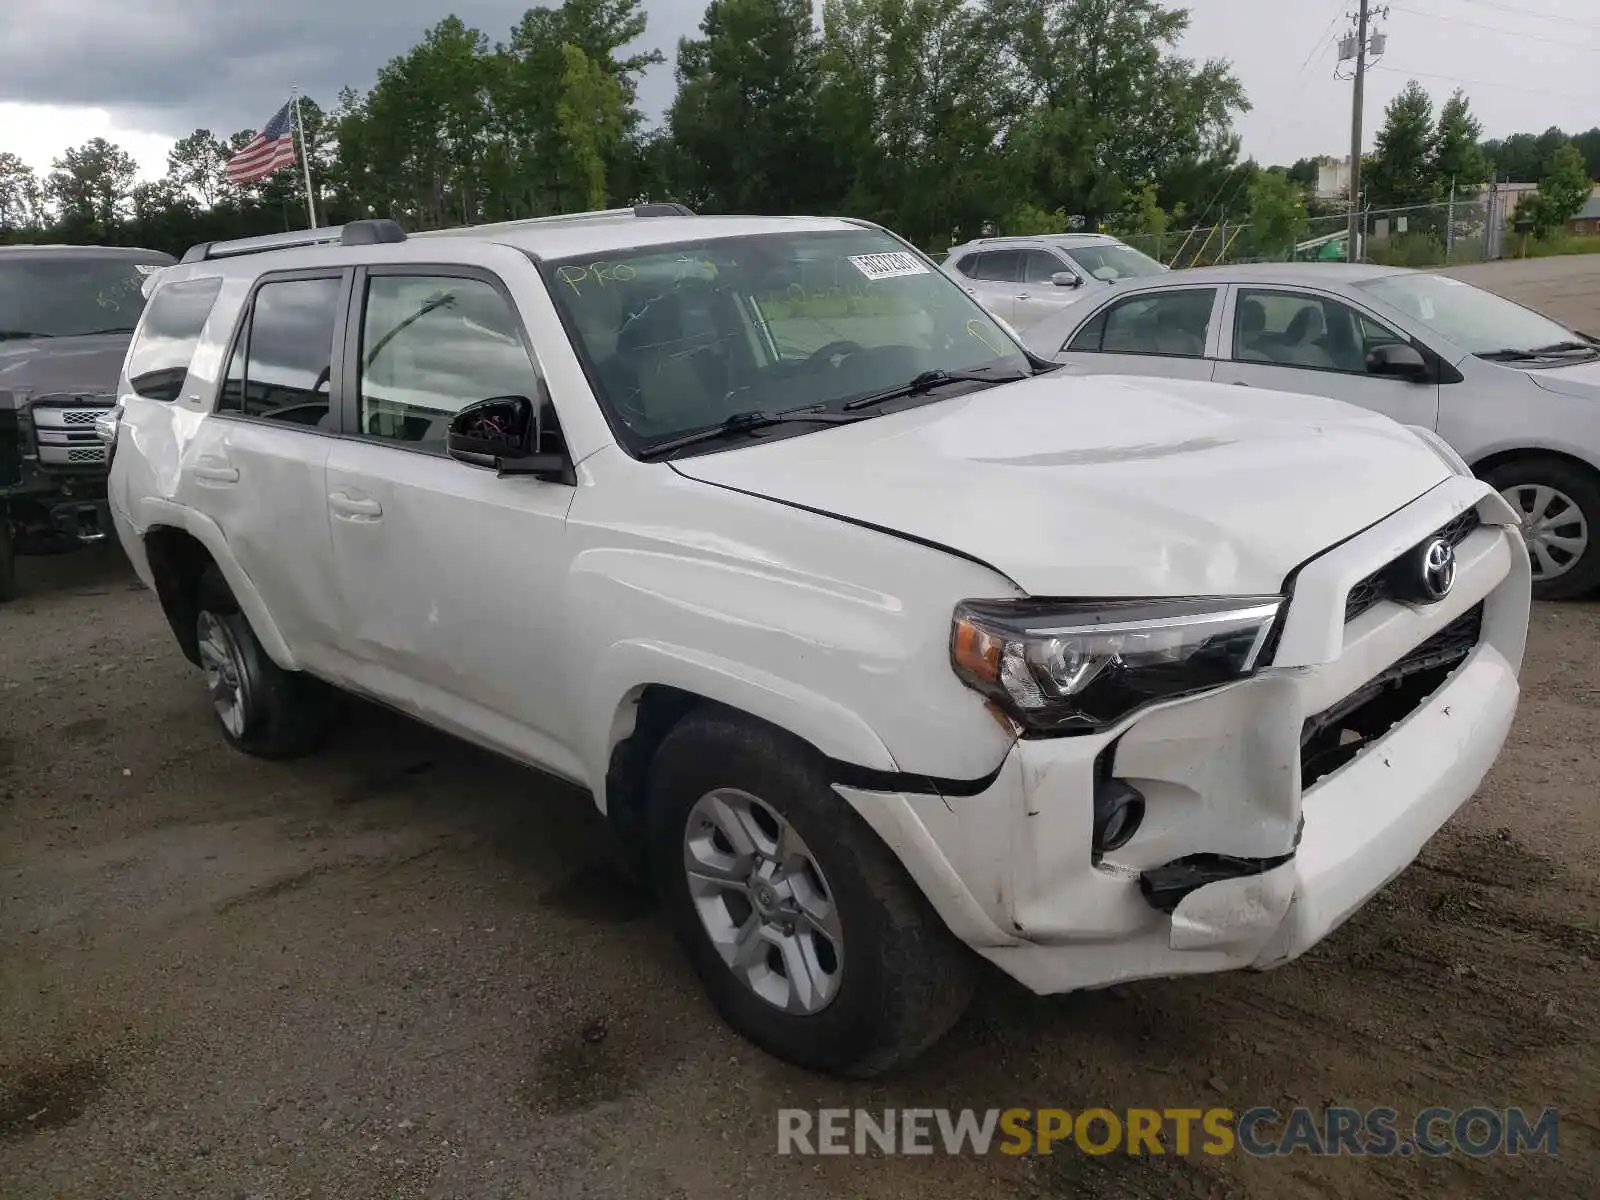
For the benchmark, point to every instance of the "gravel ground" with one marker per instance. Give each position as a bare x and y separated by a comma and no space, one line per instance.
404,968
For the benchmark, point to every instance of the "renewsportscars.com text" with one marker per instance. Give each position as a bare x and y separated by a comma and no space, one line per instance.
1432,1132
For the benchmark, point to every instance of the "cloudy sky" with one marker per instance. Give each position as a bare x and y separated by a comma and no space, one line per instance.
145,74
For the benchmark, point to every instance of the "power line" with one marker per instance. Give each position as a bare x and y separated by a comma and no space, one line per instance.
1484,83
1521,12
1532,37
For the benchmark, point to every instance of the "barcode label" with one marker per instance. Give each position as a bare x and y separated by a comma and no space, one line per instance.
887,266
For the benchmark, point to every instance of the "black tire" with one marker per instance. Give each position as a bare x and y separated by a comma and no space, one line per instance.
1582,486
904,979
8,563
282,714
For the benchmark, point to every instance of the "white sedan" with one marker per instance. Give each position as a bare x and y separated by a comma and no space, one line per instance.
1516,394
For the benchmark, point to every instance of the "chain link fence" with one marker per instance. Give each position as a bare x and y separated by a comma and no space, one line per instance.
1468,229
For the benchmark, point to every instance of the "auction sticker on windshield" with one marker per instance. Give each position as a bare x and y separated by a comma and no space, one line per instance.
892,265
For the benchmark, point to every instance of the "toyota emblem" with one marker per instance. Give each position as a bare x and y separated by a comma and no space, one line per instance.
1438,569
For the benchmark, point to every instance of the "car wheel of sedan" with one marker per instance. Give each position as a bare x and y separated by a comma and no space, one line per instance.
1558,503
804,928
263,710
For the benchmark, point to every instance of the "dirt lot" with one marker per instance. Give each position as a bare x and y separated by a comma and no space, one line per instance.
404,969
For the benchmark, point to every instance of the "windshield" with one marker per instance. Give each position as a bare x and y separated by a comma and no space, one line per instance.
46,294
1112,261
1477,321
681,337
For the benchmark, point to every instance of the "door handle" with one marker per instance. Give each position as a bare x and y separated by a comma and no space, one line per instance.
215,470
1024,296
1240,383
356,507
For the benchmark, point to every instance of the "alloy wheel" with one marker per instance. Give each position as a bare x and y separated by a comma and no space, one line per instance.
763,901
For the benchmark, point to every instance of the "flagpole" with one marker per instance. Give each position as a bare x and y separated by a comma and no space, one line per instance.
305,157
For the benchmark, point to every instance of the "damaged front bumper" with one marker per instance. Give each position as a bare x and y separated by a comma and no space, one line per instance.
1273,808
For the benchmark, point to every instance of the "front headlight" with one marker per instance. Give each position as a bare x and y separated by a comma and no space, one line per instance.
1061,667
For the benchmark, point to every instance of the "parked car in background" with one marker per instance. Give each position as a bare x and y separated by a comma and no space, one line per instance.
1024,280
66,316
1515,393
882,644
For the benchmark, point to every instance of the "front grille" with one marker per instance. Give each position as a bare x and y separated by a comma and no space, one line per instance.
1375,587
1331,738
79,416
86,454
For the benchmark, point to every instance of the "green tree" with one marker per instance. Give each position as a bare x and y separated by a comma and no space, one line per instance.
197,165
914,110
1456,154
21,197
1306,172
1108,101
1588,145
1277,213
1515,159
92,187
745,116
1562,192
592,112
1400,171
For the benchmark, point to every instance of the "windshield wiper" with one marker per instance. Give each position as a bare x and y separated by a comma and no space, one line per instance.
112,329
926,382
1538,352
747,422
8,334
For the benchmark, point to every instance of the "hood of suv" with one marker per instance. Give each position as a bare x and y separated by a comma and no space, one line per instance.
89,365
1105,486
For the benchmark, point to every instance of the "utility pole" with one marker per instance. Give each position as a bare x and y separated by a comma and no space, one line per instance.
1359,45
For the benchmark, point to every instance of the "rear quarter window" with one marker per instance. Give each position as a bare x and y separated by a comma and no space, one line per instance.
158,360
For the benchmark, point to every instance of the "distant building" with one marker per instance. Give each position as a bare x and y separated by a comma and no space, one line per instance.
1333,178
1586,221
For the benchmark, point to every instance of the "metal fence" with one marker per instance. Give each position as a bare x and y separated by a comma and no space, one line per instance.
1467,229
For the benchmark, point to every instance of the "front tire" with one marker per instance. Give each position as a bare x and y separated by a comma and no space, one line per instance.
808,935
262,709
1559,503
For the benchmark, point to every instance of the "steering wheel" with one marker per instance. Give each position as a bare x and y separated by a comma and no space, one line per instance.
833,350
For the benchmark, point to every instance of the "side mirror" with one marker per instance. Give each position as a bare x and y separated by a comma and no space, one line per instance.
502,434
1398,361
1065,279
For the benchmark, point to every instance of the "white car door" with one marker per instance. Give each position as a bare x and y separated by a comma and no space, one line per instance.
257,466
1301,340
451,577
1040,297
1171,331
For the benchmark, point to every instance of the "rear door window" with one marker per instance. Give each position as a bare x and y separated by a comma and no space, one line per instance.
158,360
281,365
999,266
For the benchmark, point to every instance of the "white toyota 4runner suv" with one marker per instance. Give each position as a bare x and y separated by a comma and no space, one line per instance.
884,645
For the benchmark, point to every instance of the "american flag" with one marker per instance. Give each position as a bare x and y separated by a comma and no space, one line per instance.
263,154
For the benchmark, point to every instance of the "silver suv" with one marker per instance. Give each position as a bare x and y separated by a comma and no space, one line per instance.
1023,280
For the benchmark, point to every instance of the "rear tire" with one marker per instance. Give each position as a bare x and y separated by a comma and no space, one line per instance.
840,965
261,709
1559,503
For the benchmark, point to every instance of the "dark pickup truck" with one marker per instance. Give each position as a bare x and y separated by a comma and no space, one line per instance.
67,314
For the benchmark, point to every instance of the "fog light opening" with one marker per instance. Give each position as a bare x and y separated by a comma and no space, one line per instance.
1118,813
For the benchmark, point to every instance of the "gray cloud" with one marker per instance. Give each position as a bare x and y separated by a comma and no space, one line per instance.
170,66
